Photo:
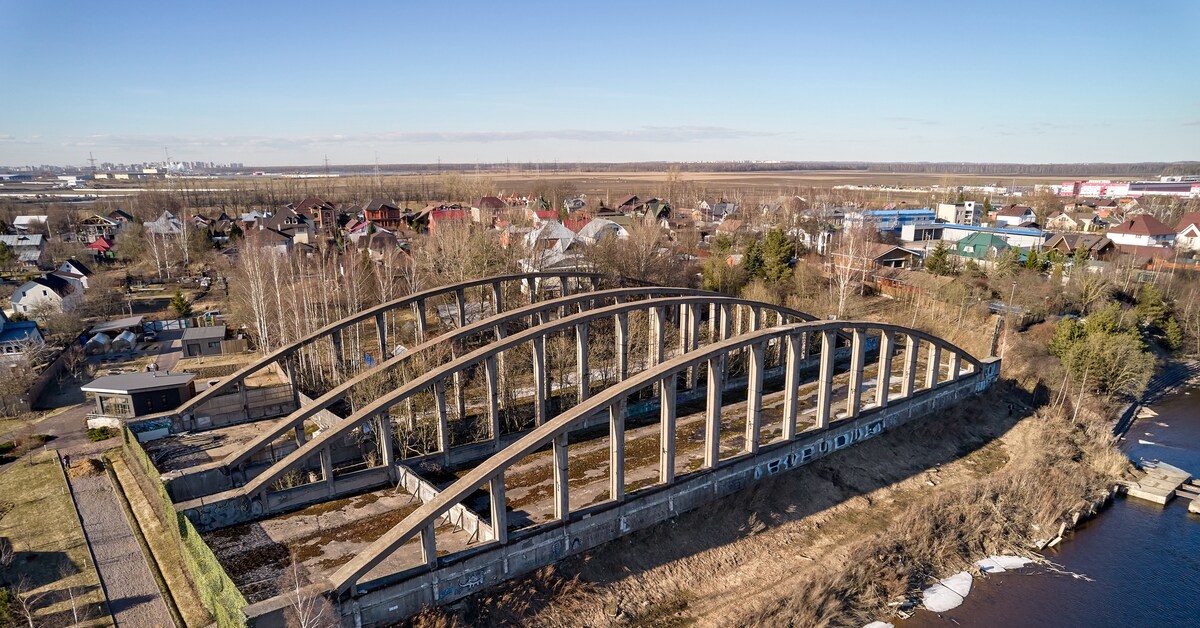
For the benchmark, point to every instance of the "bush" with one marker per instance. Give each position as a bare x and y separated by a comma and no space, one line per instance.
7,446
101,433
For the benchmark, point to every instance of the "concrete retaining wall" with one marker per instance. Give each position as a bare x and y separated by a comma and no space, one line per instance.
459,516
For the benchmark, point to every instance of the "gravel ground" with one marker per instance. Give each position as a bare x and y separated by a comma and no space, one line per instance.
134,598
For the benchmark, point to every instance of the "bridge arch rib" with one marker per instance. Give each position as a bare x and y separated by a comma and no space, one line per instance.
196,481
663,380
529,283
723,312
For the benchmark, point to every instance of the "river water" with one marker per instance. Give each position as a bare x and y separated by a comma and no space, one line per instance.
1142,559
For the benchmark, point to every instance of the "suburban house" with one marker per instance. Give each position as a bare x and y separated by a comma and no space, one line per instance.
1068,243
383,213
1187,232
980,245
96,226
27,224
964,213
74,272
323,213
30,249
166,226
294,224
575,203
1142,230
488,210
50,292
101,249
441,218
16,337
130,395
550,235
599,229
1085,221
1014,215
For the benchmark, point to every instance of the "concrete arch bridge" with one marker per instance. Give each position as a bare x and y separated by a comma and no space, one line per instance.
538,430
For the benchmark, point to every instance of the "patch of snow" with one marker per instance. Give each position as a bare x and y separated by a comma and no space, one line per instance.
1145,442
879,624
947,593
1000,564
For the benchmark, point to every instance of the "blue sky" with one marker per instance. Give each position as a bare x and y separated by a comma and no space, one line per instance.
287,83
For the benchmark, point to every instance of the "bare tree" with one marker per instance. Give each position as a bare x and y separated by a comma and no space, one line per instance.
307,608
848,264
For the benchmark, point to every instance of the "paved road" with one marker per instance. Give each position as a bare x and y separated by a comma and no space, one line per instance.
133,595
69,429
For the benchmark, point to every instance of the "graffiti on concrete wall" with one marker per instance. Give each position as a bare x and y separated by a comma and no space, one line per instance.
827,444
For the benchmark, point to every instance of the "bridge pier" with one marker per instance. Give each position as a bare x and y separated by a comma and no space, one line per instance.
382,333
562,490
499,509
493,401
933,367
858,355
666,439
443,423
712,411
791,383
539,376
656,345
825,383
583,373
616,450
621,332
460,304
911,345
754,393
419,315
883,374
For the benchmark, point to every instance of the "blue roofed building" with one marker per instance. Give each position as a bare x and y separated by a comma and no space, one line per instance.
18,337
893,220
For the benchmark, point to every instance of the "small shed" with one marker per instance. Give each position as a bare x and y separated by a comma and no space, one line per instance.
125,341
99,343
203,341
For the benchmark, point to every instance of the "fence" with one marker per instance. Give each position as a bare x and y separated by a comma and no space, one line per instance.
217,592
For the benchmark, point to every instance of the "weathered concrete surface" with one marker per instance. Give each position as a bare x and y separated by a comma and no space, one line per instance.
1158,484
389,598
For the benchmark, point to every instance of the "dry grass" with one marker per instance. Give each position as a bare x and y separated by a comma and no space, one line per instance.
48,543
163,547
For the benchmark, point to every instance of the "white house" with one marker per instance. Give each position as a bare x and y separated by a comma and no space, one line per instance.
1013,215
1142,230
1187,232
16,337
49,292
30,249
75,272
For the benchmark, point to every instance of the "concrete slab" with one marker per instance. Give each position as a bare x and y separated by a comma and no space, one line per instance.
1158,483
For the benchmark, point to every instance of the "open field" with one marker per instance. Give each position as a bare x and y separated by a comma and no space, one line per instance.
50,554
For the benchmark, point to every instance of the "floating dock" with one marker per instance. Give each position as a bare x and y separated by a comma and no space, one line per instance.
1159,483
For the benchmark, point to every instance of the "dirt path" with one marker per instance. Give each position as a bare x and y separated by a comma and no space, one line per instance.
133,595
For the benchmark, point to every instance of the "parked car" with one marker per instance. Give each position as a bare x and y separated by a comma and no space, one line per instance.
149,336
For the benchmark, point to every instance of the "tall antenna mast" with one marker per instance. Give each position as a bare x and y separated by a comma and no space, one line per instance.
92,161
327,165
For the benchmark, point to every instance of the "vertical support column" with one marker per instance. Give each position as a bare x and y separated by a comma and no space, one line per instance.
289,365
389,448
955,366
713,323
429,546
539,380
723,327
655,356
382,333
754,398
339,356
562,495
791,384
755,317
858,355
501,378
825,382
326,472
497,297
460,304
693,342
419,314
583,372
666,439
883,376
911,345
621,327
616,450
933,367
499,509
712,417
531,286
493,394
443,425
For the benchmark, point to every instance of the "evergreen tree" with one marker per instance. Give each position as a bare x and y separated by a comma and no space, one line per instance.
938,261
777,256
752,259
179,303
1032,261
1174,334
1151,309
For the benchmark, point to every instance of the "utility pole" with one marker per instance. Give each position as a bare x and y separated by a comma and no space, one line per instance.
92,161
327,165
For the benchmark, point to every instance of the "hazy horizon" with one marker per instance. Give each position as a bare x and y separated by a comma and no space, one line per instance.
289,84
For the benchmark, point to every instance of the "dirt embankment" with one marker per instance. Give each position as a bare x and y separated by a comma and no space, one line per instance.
834,543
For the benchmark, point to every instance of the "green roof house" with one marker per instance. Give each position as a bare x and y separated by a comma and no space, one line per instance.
980,246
